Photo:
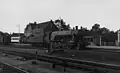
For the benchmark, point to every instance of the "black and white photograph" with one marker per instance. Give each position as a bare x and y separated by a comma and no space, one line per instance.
59,36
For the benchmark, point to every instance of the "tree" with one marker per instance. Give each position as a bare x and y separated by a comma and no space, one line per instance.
96,28
110,37
104,30
62,25
84,29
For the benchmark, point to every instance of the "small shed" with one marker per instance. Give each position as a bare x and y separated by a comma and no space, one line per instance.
4,38
91,37
109,39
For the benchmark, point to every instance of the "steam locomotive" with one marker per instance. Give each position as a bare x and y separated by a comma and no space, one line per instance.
71,39
67,39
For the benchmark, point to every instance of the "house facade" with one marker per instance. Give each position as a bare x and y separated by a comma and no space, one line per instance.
91,37
29,29
37,29
39,32
109,39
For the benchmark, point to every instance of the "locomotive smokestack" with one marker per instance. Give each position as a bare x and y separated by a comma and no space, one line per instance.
76,27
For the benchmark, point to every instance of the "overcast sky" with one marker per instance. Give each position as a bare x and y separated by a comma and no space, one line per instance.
75,12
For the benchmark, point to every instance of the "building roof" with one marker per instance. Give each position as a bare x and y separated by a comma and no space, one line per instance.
39,25
33,25
1,33
44,24
4,34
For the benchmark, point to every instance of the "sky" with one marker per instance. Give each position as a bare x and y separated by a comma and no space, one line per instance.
74,12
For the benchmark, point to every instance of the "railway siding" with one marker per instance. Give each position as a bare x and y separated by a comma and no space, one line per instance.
67,62
10,67
77,63
40,67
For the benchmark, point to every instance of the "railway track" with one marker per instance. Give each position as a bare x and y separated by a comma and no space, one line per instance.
67,62
10,68
112,49
89,48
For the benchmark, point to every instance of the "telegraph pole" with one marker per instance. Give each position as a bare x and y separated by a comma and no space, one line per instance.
19,32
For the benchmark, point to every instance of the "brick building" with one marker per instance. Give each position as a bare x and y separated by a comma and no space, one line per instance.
39,32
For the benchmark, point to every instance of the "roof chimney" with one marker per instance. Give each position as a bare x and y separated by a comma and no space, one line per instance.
76,27
35,22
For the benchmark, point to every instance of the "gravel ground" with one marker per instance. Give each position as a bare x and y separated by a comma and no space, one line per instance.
40,67
7,71
105,57
110,58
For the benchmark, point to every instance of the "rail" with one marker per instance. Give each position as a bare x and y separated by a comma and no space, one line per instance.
10,67
66,62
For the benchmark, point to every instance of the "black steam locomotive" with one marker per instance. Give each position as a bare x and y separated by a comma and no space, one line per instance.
71,39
